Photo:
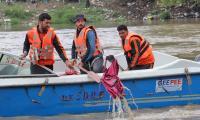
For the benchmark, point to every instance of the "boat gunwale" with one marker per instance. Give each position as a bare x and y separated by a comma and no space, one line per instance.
81,79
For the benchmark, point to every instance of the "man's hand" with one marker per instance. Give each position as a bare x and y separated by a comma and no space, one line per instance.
23,56
73,61
80,64
69,64
76,62
71,70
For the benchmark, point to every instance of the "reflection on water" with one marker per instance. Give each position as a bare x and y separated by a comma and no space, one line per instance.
181,39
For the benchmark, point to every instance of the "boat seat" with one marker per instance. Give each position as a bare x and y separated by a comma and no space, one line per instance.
8,69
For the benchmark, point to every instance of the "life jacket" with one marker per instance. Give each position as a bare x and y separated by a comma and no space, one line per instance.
111,81
145,50
41,51
80,42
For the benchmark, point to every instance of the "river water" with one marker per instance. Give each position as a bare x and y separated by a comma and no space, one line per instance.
178,38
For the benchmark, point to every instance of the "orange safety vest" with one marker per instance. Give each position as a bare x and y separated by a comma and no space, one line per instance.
145,50
80,42
41,54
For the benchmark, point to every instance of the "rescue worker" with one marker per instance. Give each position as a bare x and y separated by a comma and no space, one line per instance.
40,42
137,50
86,46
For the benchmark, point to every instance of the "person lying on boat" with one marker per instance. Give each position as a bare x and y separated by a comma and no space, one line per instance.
41,41
137,50
86,46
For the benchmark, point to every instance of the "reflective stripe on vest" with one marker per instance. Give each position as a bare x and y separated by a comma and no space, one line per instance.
145,50
80,42
44,53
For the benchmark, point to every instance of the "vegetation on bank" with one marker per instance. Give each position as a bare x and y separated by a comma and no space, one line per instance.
166,7
94,15
66,14
155,9
19,13
170,3
112,12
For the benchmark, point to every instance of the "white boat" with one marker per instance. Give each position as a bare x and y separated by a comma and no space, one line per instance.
172,81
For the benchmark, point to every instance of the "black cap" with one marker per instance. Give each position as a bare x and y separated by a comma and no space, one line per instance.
79,16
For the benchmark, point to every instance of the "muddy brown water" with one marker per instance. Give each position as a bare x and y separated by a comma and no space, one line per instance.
178,38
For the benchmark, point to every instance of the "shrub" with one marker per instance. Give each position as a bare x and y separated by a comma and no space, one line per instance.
165,15
15,21
66,14
169,3
17,11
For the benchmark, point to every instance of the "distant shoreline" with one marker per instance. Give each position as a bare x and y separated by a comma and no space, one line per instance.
24,27
100,12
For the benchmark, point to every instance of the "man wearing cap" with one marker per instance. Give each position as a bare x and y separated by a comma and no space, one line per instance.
40,42
86,46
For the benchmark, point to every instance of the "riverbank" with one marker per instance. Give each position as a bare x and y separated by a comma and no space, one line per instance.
27,13
154,9
99,12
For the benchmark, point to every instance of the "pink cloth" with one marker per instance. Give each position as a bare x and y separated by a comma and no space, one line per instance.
111,81
71,72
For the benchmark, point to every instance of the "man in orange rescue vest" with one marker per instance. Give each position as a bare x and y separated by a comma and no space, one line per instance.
137,50
41,41
86,46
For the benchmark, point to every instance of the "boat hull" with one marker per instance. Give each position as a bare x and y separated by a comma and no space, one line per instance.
91,97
